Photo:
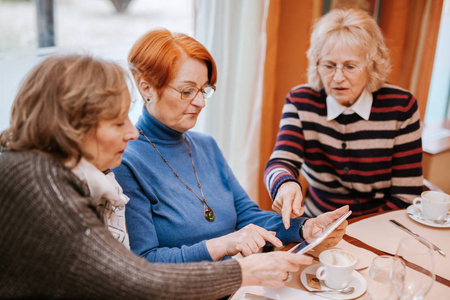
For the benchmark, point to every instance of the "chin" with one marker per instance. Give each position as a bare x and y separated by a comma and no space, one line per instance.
115,164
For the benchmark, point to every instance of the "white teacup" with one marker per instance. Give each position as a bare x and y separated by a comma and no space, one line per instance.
336,268
434,205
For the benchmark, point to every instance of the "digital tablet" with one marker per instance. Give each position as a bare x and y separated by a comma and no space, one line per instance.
318,237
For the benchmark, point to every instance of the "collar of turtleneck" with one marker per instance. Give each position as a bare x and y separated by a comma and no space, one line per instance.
155,130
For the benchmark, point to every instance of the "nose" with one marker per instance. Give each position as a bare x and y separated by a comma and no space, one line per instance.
199,100
132,133
338,74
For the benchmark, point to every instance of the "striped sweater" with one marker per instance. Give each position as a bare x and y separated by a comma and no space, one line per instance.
372,165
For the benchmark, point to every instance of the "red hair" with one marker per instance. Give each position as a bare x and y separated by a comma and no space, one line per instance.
153,57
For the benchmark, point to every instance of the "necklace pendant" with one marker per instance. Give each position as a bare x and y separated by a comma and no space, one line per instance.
209,215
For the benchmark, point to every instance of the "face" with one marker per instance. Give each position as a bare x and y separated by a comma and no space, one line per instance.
169,108
344,87
107,141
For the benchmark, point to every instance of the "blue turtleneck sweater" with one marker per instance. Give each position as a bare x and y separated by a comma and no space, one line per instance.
165,220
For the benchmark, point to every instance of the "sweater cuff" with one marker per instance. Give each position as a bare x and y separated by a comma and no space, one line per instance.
276,185
196,252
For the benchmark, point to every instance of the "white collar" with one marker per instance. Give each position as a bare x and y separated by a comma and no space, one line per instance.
362,107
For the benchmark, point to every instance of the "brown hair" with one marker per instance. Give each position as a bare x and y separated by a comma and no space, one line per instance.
59,101
353,28
153,57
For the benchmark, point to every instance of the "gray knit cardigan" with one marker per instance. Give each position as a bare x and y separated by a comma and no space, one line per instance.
53,244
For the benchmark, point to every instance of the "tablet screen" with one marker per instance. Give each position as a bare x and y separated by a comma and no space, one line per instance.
319,236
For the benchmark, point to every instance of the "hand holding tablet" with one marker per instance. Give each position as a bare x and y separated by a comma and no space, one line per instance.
319,236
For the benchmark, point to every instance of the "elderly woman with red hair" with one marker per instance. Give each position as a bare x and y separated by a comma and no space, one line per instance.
185,203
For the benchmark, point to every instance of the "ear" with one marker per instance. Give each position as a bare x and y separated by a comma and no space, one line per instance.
147,91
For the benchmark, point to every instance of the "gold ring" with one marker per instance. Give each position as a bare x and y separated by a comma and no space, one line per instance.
288,278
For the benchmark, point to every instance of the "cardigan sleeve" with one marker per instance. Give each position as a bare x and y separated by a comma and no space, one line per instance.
288,155
59,248
407,179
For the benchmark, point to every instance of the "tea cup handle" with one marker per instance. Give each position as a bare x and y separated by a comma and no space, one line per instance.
417,202
321,273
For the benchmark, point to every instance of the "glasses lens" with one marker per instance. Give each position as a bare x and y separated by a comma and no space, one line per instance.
350,69
189,93
208,92
327,69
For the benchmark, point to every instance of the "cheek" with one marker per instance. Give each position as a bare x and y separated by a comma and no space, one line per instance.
325,82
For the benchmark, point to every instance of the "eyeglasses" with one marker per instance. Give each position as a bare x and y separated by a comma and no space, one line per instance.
189,93
328,69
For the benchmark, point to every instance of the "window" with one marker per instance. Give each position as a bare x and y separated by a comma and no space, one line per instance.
438,103
92,26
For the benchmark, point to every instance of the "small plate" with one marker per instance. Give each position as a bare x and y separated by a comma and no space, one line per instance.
415,214
358,282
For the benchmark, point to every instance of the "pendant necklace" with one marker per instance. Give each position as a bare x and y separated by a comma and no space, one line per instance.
208,212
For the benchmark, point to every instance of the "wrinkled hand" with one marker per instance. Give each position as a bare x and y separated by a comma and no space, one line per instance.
288,202
246,241
317,224
270,269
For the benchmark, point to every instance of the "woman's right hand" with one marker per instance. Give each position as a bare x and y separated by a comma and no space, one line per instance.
271,269
288,202
245,241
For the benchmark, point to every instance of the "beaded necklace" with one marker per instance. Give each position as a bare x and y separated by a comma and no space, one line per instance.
208,212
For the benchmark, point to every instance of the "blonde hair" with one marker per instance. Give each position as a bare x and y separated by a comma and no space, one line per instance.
59,101
349,28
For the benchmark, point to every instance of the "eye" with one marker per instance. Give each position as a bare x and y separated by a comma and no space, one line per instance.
350,67
189,91
328,66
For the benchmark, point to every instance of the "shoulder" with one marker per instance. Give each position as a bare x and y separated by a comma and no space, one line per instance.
304,89
31,170
201,138
28,161
304,97
395,98
205,145
393,93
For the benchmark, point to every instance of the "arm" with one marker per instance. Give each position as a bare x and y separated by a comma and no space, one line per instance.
407,179
58,248
283,168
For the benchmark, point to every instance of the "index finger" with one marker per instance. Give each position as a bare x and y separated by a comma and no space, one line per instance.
336,214
286,212
298,259
270,237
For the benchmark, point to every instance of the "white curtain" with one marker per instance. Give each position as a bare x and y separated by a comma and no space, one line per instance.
234,32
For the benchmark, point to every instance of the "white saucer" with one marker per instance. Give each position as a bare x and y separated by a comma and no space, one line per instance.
358,282
415,214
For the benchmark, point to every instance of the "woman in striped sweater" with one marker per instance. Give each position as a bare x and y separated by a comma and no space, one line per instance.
354,137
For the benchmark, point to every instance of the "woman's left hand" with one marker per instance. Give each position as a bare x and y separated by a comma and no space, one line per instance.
319,223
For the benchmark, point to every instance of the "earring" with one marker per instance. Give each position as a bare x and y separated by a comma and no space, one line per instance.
148,99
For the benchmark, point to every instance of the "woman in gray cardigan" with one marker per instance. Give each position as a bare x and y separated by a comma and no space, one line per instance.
69,124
